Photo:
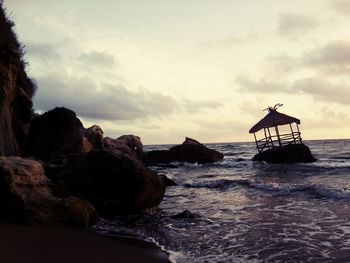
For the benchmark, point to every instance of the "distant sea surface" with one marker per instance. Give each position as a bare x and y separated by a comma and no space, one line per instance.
249,211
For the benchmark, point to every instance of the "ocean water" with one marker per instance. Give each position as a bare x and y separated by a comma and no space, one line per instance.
249,211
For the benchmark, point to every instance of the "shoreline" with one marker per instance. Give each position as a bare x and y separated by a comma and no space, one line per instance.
45,244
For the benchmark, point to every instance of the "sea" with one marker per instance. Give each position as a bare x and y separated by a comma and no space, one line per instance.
245,211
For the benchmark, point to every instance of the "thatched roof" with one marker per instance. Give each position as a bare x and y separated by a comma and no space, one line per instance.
272,119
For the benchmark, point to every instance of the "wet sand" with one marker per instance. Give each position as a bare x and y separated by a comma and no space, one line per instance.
40,244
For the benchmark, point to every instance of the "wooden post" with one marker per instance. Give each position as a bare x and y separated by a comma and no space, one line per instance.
278,136
299,134
256,142
291,129
268,129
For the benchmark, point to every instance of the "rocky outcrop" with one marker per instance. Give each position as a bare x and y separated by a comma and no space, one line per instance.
75,161
113,181
94,135
57,133
16,91
286,154
190,151
128,144
26,197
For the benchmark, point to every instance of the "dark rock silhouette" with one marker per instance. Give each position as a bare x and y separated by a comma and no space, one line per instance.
16,91
184,215
286,154
113,181
57,133
190,151
168,181
26,197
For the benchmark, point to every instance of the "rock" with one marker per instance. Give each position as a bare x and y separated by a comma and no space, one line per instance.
185,214
286,154
159,156
168,181
195,153
16,91
114,182
128,144
94,135
190,141
190,151
55,134
26,197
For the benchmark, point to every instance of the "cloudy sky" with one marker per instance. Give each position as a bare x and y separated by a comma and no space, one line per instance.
206,69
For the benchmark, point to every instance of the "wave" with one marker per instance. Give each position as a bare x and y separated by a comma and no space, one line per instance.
317,190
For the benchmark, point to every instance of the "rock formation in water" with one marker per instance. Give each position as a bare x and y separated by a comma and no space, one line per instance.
286,154
16,91
189,151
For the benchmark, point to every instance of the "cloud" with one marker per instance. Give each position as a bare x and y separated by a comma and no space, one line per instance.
93,100
260,86
331,59
324,90
105,102
98,58
334,53
293,24
43,51
197,106
341,6
328,118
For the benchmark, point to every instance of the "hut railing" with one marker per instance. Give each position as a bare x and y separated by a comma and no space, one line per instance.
274,141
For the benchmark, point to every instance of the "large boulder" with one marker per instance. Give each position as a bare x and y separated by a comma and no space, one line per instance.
112,181
16,91
26,197
286,154
189,151
57,133
128,144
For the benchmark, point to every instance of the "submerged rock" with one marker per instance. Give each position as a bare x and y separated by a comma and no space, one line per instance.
168,181
189,151
286,154
26,197
183,215
113,181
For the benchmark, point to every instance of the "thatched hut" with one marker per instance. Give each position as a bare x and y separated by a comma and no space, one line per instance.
272,137
276,146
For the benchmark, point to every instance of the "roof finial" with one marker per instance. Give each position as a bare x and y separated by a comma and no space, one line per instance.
277,105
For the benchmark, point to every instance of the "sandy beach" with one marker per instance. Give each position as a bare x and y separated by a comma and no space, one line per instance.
64,245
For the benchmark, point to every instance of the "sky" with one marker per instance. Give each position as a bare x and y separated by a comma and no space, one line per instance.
205,69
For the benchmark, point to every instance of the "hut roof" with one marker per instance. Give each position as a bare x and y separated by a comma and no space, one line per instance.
272,119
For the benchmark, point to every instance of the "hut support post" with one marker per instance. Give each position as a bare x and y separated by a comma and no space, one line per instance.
270,138
299,134
291,129
278,136
256,142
